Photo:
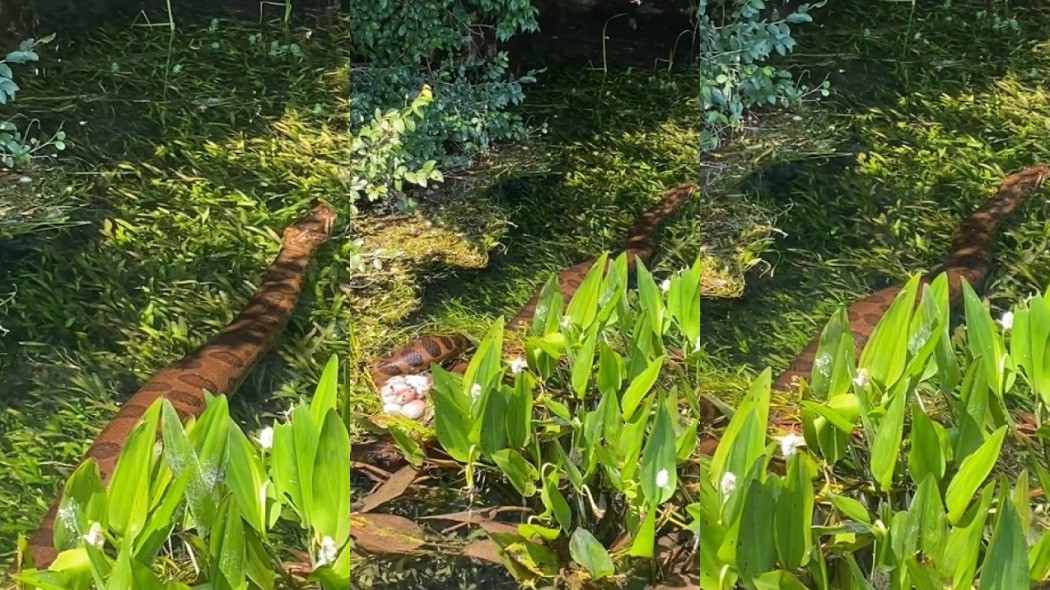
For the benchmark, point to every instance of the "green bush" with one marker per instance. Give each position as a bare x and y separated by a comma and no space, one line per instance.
17,147
221,494
917,503
595,433
435,51
736,40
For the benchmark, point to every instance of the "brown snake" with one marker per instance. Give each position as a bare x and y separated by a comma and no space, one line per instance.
969,258
219,365
418,355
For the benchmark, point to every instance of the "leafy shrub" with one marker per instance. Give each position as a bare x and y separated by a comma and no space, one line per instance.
736,39
16,147
915,503
595,430
461,107
218,493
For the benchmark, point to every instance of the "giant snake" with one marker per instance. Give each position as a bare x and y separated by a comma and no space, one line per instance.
218,366
969,258
420,354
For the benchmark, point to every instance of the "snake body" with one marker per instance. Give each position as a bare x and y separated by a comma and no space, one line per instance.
969,258
418,355
219,365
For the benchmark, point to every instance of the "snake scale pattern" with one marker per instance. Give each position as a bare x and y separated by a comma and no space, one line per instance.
219,365
969,258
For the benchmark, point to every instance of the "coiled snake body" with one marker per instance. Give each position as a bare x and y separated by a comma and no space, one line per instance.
419,354
219,365
970,258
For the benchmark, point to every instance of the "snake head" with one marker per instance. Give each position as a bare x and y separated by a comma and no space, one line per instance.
312,230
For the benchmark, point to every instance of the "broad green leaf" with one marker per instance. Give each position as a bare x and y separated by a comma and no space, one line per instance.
793,520
519,411
850,508
162,520
493,432
306,432
589,552
983,339
409,447
830,377
83,502
926,513
683,303
755,407
927,326
547,317
583,363
521,474
886,352
964,542
886,447
128,493
927,450
180,456
923,576
484,370
1039,558
756,550
452,417
327,390
229,569
972,473
610,370
640,386
246,479
1005,565
777,580
331,509
554,500
659,477
583,307
649,297
645,538
687,441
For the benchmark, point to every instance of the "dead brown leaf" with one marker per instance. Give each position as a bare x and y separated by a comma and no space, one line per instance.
386,534
390,489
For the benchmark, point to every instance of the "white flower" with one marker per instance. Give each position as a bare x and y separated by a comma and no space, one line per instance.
1007,320
517,364
666,285
265,438
861,380
326,554
566,321
662,478
728,484
475,391
94,535
789,445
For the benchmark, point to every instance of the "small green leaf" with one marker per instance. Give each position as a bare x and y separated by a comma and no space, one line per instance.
972,473
588,552
640,387
1005,565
